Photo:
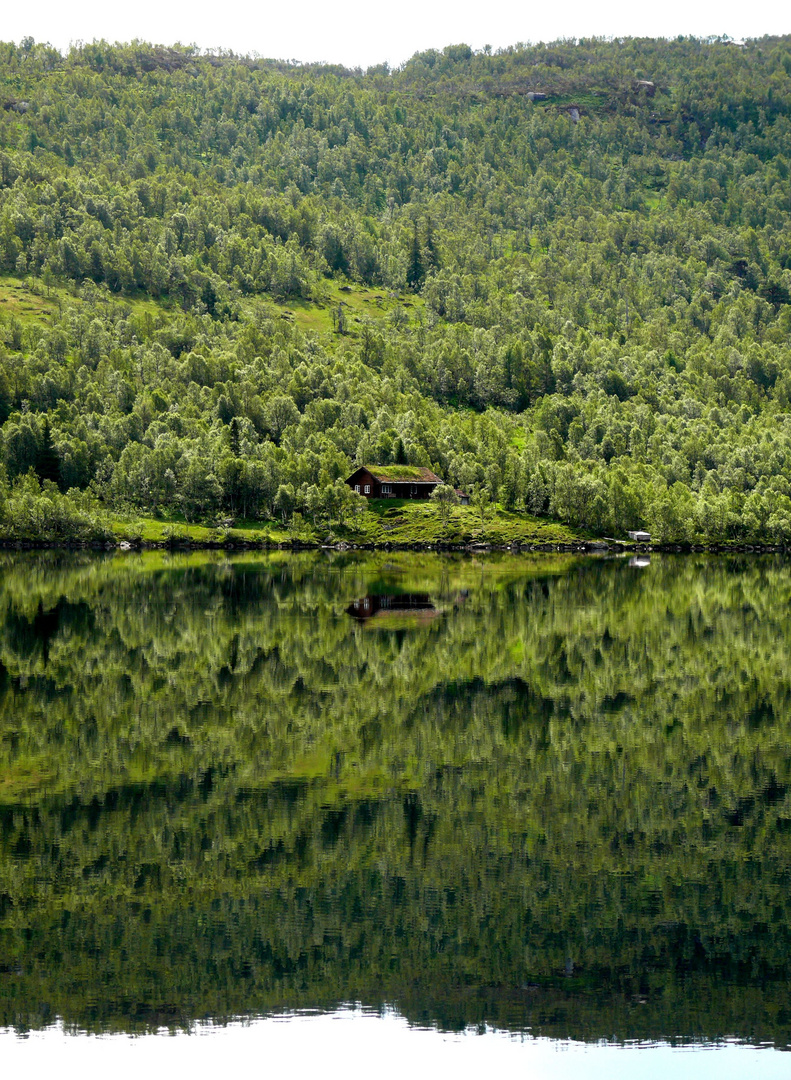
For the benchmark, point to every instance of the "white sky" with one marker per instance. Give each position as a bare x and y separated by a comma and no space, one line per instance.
360,32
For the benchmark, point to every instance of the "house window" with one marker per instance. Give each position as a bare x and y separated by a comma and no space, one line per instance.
357,488
413,490
367,489
386,489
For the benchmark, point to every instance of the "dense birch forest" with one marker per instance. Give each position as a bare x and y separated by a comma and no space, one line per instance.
558,275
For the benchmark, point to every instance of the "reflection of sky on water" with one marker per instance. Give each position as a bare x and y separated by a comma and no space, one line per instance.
353,1043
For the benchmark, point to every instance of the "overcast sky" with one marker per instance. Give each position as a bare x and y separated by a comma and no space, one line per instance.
354,32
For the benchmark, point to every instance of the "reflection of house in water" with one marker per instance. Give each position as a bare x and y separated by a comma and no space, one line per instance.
640,561
399,610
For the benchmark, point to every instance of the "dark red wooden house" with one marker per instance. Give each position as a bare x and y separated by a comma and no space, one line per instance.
393,481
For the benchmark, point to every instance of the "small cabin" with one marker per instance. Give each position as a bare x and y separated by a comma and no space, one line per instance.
639,536
393,482
463,497
389,610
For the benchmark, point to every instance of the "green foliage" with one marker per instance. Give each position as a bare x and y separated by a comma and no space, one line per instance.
562,271
39,512
444,497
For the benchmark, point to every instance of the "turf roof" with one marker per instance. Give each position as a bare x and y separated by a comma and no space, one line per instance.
404,473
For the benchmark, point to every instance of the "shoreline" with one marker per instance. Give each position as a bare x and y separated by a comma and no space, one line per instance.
582,547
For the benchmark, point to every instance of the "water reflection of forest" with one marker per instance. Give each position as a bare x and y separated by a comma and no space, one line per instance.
564,806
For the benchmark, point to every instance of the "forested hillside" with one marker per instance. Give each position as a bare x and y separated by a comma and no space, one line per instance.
558,275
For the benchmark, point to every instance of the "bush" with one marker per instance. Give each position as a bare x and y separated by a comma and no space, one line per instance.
39,512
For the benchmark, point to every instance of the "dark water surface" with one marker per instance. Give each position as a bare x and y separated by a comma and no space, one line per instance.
544,795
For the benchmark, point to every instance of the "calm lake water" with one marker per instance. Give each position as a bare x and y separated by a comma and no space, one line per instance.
530,814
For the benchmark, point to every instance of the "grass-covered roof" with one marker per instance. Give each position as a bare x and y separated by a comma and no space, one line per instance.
404,473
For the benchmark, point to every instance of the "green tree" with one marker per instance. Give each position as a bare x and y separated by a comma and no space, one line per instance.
416,270
285,501
444,498
481,499
47,459
281,413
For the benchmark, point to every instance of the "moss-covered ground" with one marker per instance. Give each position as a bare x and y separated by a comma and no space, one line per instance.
359,305
19,301
30,300
385,521
406,522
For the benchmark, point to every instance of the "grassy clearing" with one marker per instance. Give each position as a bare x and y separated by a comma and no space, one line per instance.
360,305
175,529
30,301
18,300
405,522
156,530
392,521
585,99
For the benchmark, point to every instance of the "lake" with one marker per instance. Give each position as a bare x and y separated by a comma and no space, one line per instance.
530,813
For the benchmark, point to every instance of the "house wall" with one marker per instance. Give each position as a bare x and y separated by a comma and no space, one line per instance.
411,491
363,478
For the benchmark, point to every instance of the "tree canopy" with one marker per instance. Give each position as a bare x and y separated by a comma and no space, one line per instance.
561,271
